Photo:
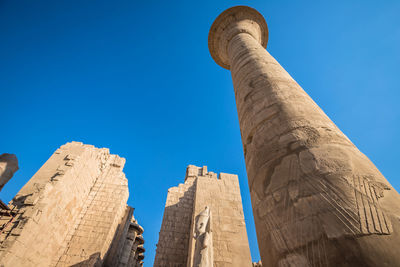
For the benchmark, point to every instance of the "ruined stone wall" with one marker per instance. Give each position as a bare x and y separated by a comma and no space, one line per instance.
176,246
98,221
222,196
69,211
172,247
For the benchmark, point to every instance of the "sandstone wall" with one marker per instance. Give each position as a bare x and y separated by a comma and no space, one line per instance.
102,213
176,243
69,210
222,196
173,242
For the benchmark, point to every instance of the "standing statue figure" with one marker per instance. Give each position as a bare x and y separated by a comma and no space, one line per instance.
203,235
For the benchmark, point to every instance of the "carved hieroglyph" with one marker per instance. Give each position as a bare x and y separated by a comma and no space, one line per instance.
317,200
203,256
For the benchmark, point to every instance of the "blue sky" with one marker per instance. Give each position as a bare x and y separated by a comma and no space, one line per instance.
137,77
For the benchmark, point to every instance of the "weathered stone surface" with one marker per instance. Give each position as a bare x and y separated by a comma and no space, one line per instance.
127,247
71,212
317,200
179,243
173,242
203,253
8,166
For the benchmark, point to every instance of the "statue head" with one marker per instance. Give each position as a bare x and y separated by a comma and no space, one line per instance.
203,221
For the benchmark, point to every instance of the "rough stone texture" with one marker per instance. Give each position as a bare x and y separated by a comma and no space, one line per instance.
173,242
176,245
317,200
69,212
8,166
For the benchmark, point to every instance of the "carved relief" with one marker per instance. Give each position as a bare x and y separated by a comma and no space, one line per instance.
302,211
314,194
372,219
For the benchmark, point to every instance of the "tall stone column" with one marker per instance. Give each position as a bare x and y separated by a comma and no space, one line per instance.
317,200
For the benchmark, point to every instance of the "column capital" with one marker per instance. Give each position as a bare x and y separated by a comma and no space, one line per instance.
235,20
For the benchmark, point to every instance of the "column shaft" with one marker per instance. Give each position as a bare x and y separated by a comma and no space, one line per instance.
317,200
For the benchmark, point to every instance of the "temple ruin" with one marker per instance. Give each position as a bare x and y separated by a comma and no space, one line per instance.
203,223
72,212
317,200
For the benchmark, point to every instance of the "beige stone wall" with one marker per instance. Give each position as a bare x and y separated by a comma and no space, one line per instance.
68,211
173,242
101,215
202,188
222,196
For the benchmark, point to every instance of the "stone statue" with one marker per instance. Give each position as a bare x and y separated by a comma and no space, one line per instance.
8,166
204,244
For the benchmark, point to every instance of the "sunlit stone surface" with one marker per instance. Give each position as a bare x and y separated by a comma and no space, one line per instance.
317,200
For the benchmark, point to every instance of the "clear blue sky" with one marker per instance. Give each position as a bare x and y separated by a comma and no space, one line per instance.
137,77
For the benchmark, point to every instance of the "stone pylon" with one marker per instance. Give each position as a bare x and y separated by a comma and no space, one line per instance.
72,212
203,223
317,200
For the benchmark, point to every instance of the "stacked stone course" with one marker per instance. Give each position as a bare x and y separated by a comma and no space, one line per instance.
71,212
172,247
176,245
